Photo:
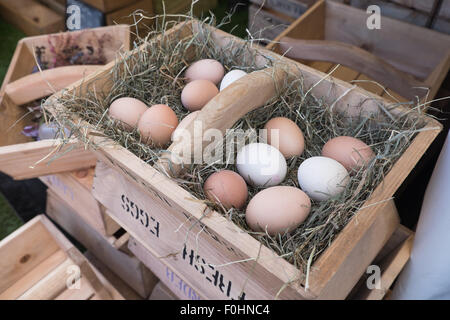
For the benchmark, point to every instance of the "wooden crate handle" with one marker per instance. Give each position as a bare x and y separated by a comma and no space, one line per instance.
225,109
36,85
353,57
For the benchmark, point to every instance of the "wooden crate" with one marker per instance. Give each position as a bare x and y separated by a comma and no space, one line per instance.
75,188
111,251
266,24
391,259
20,156
32,17
39,263
161,292
163,218
400,56
416,12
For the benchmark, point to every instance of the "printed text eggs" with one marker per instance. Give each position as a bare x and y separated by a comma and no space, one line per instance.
277,209
261,165
206,69
322,178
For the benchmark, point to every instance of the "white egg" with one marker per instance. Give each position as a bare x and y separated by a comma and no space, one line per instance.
261,165
322,178
231,77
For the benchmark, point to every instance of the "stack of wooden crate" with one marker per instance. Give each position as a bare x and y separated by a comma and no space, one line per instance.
34,17
69,178
419,59
39,263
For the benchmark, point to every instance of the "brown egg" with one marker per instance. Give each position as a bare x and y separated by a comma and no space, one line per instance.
352,153
184,124
278,209
196,94
157,124
128,111
226,187
290,138
206,69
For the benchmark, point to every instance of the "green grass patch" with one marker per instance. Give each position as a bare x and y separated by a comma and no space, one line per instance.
9,220
9,36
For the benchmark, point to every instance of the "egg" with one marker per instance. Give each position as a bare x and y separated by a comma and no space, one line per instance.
322,178
284,134
261,165
206,69
157,124
277,209
196,94
226,187
184,123
128,111
351,152
231,77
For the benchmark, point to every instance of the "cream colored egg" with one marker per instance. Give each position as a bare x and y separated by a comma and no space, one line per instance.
284,134
206,69
277,209
261,165
197,94
127,111
231,77
322,178
157,125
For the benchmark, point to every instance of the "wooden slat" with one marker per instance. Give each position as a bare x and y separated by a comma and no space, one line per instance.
31,17
369,86
391,267
53,284
407,47
34,276
84,292
128,268
120,285
38,158
23,250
